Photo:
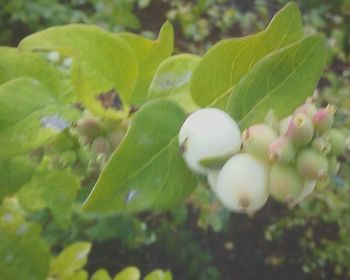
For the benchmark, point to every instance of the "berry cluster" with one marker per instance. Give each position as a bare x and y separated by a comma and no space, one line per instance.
282,158
101,136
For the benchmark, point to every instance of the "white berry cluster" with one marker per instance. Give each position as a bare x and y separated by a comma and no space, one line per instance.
282,158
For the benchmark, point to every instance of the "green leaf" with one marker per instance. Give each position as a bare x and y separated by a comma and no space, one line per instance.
147,170
149,54
15,64
172,80
280,81
158,275
229,60
23,253
102,61
55,190
128,273
72,259
101,274
30,115
215,162
15,172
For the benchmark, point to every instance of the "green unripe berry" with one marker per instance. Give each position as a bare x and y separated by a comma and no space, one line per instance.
321,144
256,140
285,183
337,141
281,150
312,164
323,118
300,130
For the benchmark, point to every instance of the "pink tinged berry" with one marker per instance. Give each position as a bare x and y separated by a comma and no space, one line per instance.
312,164
323,118
208,134
242,184
308,109
285,183
300,130
283,125
337,141
308,189
281,150
256,140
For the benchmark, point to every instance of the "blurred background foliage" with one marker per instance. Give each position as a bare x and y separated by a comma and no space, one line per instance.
199,239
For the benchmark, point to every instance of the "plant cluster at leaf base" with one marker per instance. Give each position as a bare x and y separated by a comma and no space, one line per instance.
284,158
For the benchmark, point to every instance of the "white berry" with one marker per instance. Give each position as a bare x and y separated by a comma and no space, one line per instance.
242,184
208,133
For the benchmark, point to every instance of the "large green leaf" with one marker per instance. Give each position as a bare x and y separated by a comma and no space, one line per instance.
147,170
103,61
229,60
172,80
23,253
14,64
15,172
55,190
30,115
280,81
149,54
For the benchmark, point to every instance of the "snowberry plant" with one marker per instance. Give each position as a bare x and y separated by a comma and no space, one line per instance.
76,101
286,162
